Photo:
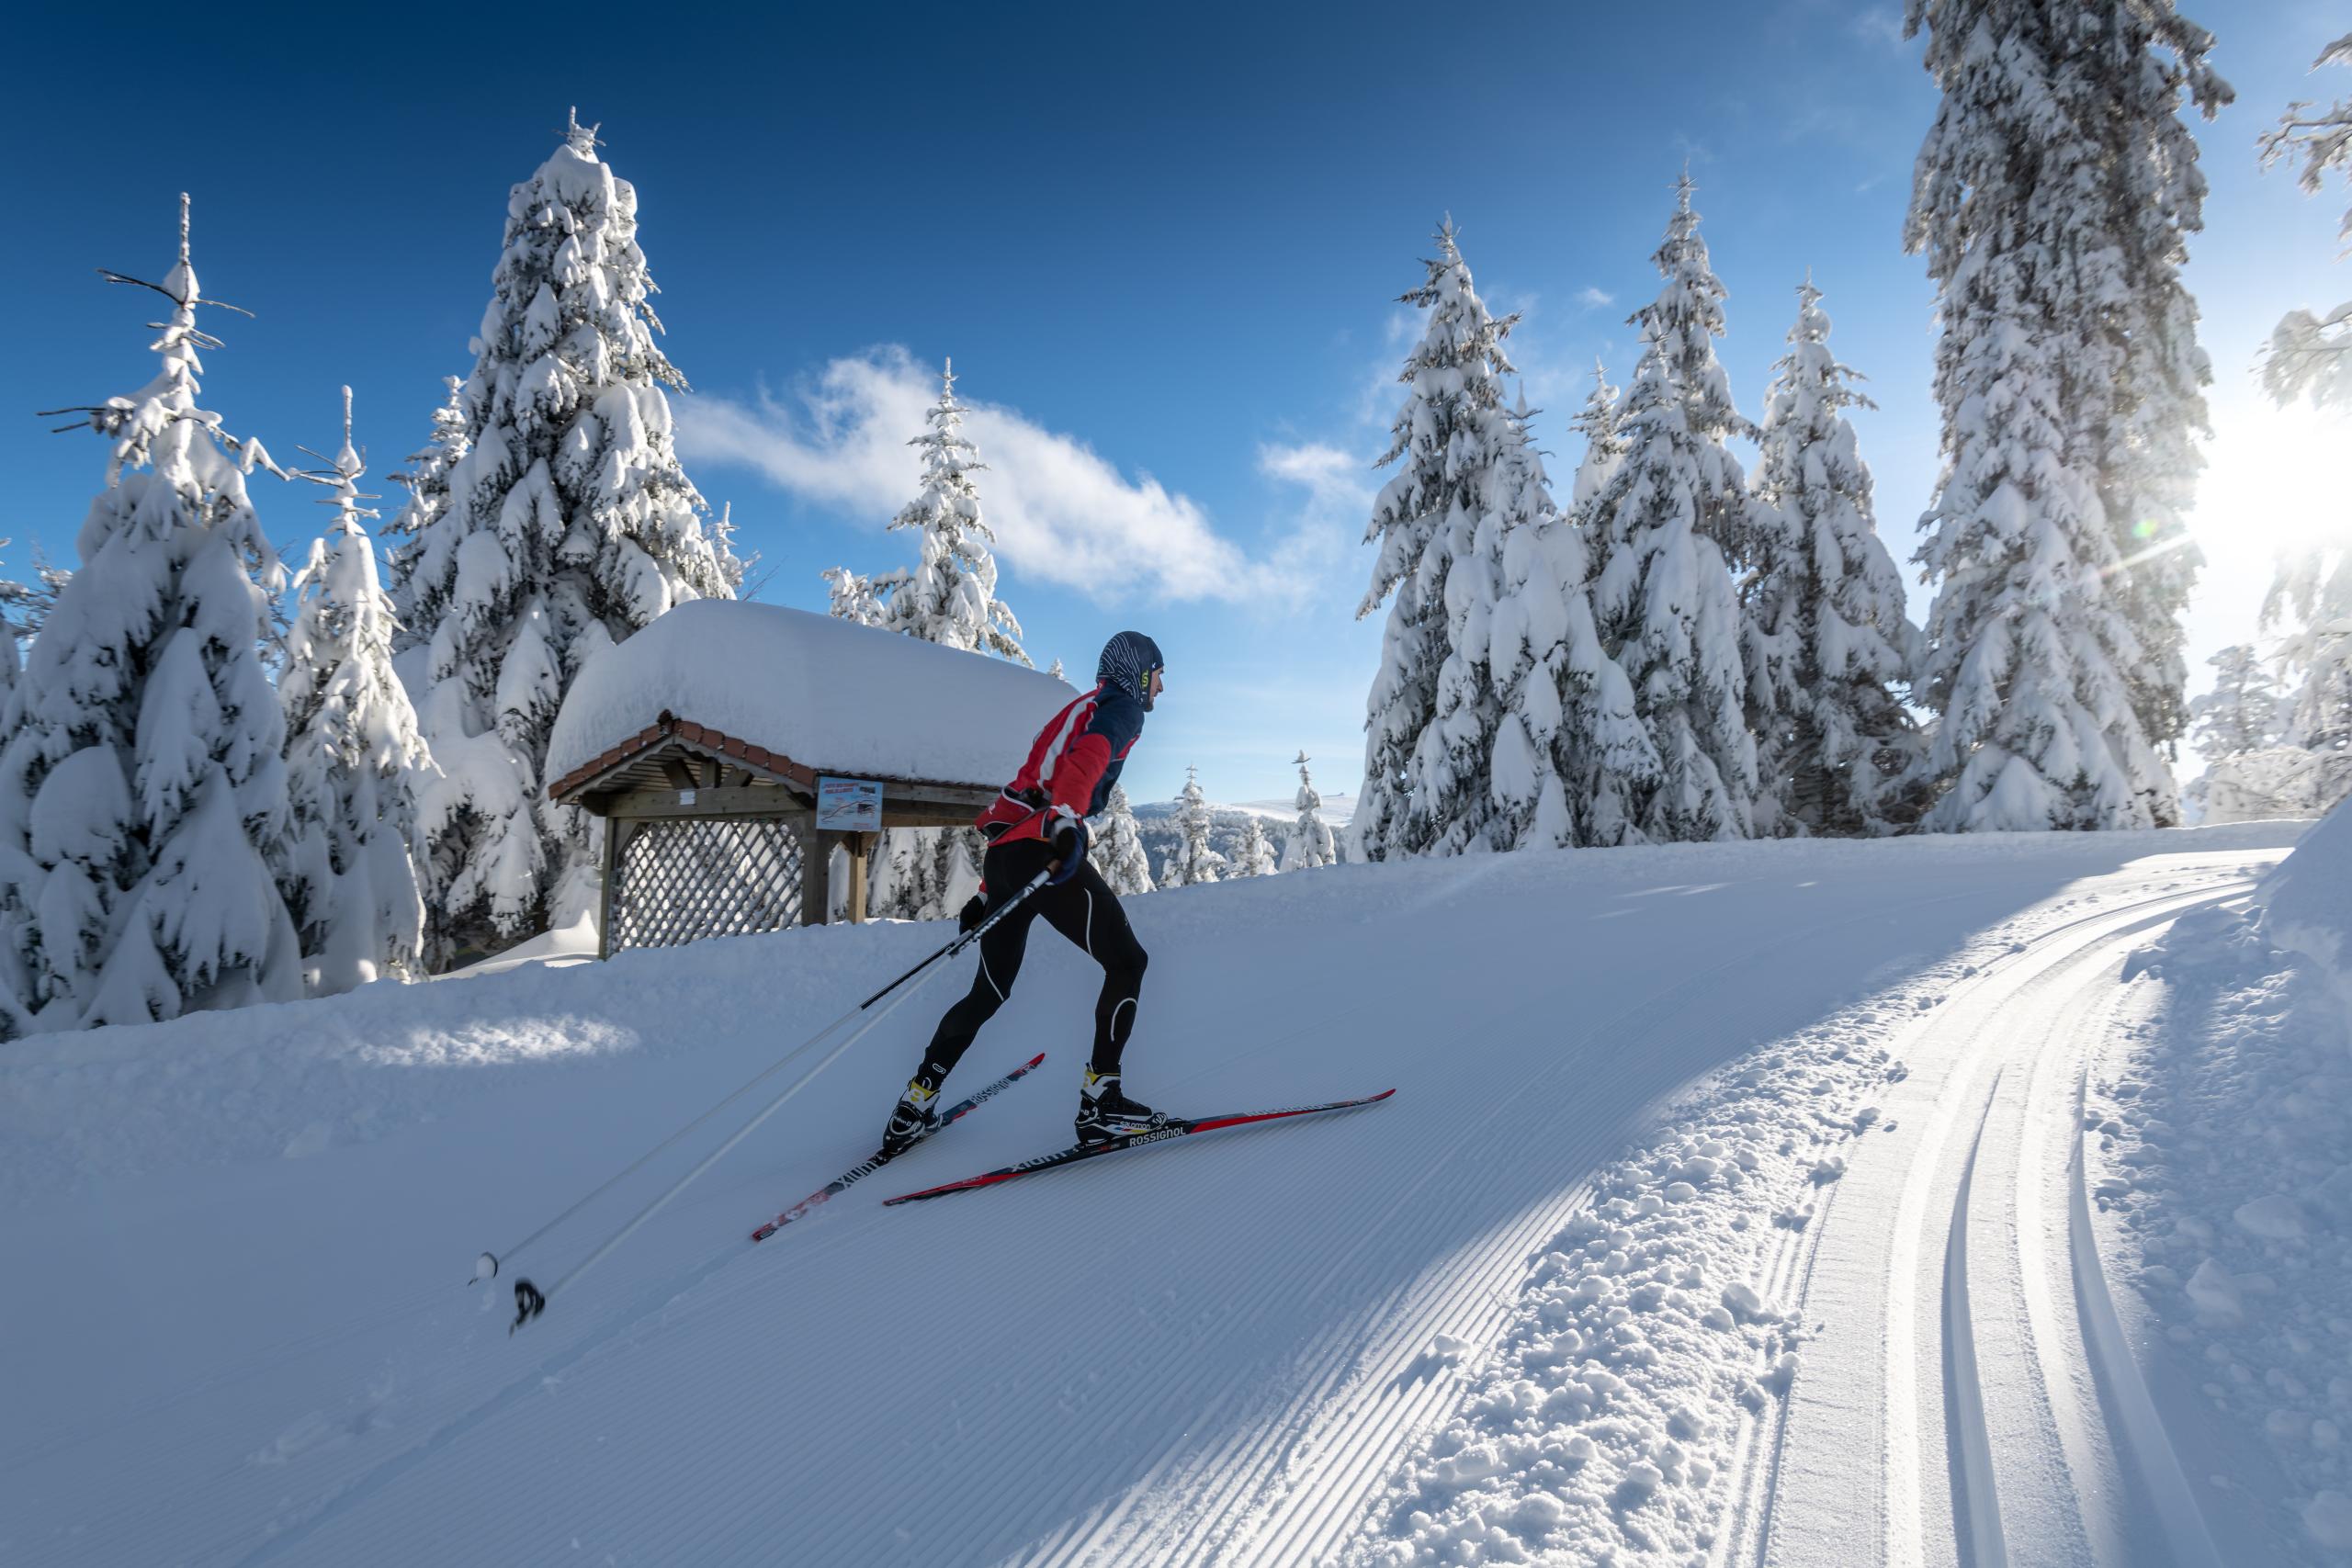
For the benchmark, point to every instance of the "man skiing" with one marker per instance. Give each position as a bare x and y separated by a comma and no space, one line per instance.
1039,821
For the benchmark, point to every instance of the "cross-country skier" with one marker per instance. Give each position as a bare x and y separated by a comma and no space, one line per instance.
1037,820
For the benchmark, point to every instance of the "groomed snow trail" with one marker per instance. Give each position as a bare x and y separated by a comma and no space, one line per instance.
1968,1397
1211,1353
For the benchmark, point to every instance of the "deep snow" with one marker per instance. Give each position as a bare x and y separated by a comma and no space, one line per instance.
1549,1272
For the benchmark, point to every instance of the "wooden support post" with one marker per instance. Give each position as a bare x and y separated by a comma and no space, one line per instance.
860,845
816,855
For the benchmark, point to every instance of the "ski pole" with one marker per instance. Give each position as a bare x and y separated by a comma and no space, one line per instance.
530,1301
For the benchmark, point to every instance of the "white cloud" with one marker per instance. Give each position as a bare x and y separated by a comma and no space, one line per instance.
1061,511
1592,298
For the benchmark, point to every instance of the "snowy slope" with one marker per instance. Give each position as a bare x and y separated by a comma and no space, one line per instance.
240,1330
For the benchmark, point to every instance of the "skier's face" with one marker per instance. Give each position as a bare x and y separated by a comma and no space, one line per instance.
1152,686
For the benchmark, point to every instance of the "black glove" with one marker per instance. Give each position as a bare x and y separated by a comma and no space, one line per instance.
975,910
1070,848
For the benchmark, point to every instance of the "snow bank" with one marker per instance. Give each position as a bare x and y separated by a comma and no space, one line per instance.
2308,905
2222,1165
832,697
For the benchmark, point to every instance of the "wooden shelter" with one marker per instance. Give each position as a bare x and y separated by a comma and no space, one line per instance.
714,831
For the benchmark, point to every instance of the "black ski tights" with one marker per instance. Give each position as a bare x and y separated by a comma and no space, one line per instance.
1085,910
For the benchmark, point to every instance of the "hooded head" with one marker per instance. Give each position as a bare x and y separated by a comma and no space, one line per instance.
1127,663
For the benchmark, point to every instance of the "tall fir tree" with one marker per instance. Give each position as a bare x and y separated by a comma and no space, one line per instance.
1604,443
355,758
1568,749
420,558
1310,843
2312,598
1117,849
568,524
2122,72
2241,712
1431,710
1822,621
1189,860
2032,644
2311,355
1666,524
950,597
142,793
1256,857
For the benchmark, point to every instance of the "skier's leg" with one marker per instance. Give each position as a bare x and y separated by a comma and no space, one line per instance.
1085,910
1000,964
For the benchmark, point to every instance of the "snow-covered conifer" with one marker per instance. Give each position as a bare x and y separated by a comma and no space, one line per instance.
354,757
142,793
1604,444
862,601
1310,844
1568,748
1191,861
1822,621
1256,857
2311,355
1117,849
419,555
1665,525
2031,643
1058,672
2119,75
950,597
2241,712
1430,714
568,524
2315,588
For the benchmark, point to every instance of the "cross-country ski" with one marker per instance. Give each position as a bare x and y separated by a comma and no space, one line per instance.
1734,620
1168,1128
876,1160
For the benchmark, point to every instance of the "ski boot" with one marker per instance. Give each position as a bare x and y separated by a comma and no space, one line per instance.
913,1119
1105,1113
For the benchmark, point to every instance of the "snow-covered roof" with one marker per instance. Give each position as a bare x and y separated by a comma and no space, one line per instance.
830,697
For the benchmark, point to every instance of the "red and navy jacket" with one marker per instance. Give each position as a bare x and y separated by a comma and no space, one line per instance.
1071,768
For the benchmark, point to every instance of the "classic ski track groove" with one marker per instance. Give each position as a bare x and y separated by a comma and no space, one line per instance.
1291,1481
2053,1427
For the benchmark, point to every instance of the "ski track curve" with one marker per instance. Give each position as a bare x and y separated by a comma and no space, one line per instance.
1958,1298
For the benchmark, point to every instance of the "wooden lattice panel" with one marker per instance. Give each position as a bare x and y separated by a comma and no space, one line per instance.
679,881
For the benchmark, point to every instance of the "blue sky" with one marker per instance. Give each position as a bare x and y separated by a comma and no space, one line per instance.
1163,251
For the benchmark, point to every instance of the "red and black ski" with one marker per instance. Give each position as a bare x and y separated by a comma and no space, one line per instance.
879,1159
1175,1127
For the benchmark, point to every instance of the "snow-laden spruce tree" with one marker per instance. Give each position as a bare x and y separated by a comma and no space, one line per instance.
2314,588
568,525
142,793
2120,72
1256,856
1666,524
355,759
1117,849
861,601
427,479
950,597
2032,642
1191,861
1059,674
1427,720
1309,843
1571,755
2311,355
1604,444
1822,621
2242,711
